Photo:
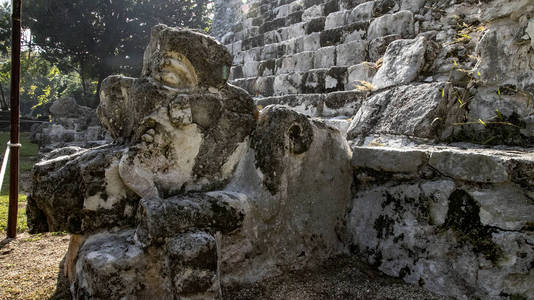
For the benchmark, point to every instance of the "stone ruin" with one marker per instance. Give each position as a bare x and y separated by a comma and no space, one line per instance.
399,132
70,125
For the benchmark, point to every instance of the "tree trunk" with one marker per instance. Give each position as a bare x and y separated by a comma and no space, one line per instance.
82,78
96,101
4,105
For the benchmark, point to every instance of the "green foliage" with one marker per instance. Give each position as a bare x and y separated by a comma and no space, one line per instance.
102,37
5,28
41,82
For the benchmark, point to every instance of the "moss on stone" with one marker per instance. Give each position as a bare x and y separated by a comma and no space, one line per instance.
384,226
463,218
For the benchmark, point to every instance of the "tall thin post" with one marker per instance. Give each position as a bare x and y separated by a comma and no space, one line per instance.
15,99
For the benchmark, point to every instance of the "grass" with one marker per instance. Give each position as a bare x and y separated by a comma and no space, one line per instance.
21,215
28,156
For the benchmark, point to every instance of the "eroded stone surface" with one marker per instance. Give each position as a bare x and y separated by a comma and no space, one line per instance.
196,182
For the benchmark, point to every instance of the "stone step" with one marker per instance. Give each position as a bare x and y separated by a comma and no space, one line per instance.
339,105
337,28
309,82
463,162
473,207
318,18
431,111
309,55
298,31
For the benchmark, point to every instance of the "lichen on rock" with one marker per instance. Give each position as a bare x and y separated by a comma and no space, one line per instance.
149,210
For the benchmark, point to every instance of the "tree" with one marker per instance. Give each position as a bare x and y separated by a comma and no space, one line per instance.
104,37
41,82
5,28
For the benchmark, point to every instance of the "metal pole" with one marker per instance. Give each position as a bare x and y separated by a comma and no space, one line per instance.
15,99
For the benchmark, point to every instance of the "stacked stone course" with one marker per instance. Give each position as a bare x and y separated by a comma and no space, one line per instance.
435,98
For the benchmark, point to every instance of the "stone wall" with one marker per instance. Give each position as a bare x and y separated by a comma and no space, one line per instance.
435,98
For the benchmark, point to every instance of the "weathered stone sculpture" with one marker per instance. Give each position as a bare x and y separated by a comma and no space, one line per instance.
199,187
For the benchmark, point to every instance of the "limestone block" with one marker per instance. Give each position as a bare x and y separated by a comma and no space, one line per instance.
313,12
351,53
335,79
386,159
530,31
272,37
325,57
296,6
287,84
401,23
377,47
314,81
294,46
412,5
340,124
247,23
251,55
342,103
361,13
239,58
312,42
270,52
337,19
236,72
332,37
501,61
315,25
267,67
382,7
471,167
403,61
392,225
293,31
506,207
307,104
497,111
264,86
236,47
502,8
304,61
409,110
349,4
286,64
281,11
361,72
250,69
162,218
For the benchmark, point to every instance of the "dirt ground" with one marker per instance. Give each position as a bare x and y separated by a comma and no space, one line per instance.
30,266
340,277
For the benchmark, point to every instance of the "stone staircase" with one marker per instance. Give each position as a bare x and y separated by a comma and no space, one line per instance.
305,47
439,118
